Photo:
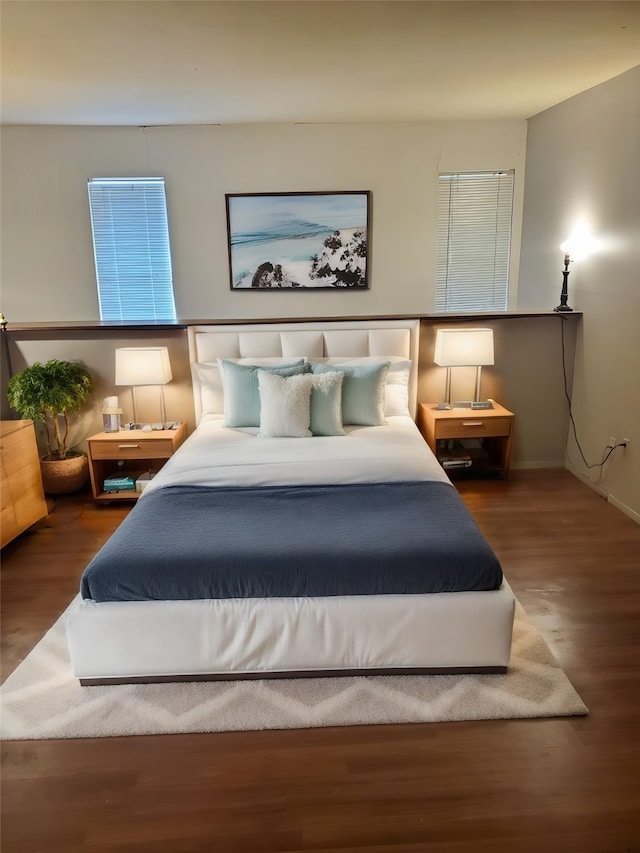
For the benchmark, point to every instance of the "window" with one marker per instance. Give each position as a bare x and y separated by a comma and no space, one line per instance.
131,248
474,241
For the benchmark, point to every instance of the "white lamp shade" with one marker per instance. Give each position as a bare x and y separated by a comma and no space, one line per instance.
463,347
143,366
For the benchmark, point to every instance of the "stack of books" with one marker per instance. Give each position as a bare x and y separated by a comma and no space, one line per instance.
455,461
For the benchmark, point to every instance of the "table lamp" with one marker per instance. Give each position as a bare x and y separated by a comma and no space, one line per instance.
463,348
143,366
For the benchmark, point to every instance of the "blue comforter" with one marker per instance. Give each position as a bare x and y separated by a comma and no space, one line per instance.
189,542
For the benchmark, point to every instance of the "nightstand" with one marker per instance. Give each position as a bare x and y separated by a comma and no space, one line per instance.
473,441
140,451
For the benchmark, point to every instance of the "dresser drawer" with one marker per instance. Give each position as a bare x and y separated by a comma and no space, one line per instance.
18,450
134,448
472,427
6,498
8,524
23,500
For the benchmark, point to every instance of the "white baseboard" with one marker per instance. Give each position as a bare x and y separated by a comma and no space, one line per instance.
585,479
633,515
538,463
555,463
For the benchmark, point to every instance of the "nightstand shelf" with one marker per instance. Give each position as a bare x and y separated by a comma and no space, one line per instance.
139,450
481,436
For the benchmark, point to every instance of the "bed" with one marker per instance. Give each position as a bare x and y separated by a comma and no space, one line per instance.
284,541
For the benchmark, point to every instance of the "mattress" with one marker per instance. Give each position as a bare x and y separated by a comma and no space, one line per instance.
215,455
308,538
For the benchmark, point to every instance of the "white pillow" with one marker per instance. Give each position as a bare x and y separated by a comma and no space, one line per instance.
285,405
396,400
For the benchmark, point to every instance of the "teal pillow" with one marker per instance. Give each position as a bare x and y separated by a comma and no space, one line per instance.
326,404
362,391
242,392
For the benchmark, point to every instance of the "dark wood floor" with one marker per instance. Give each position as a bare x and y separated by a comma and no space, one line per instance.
570,785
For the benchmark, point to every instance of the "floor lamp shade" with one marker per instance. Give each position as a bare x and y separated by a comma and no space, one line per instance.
143,366
463,348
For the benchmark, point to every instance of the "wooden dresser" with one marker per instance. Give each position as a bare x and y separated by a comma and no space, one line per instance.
21,492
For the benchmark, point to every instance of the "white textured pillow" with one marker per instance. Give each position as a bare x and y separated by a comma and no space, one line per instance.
285,405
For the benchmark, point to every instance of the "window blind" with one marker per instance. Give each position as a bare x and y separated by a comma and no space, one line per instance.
131,248
474,240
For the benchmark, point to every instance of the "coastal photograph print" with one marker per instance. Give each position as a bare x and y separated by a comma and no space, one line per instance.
301,240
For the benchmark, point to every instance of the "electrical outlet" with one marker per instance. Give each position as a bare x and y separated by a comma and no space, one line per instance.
626,444
612,441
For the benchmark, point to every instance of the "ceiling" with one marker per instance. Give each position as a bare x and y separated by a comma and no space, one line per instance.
159,62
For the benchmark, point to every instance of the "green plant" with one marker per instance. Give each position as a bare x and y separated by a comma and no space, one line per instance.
47,392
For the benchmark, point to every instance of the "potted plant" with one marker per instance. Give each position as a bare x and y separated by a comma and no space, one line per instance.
48,394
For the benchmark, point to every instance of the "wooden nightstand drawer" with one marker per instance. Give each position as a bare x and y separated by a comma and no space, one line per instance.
135,448
473,427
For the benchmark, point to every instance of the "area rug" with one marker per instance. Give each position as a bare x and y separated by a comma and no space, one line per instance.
42,699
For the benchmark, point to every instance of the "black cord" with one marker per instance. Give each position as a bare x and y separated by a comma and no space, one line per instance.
573,423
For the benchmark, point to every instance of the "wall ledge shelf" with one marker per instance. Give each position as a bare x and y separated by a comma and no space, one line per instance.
44,328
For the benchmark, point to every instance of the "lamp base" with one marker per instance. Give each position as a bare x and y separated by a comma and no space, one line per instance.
563,308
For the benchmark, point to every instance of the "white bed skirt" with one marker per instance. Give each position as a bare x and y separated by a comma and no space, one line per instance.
243,638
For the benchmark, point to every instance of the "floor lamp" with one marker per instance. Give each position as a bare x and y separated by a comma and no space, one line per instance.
144,366
463,348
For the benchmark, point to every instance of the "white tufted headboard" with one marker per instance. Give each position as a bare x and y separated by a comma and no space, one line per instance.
339,338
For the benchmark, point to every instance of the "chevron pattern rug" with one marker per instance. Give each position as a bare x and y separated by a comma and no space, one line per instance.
42,699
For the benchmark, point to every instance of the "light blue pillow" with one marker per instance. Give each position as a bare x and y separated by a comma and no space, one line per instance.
362,391
326,404
242,392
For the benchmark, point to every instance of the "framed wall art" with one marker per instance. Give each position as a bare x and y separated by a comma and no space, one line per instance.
299,240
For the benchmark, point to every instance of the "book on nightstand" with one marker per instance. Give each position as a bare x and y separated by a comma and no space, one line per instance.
455,461
120,483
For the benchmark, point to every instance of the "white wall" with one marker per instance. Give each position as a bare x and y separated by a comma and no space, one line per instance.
47,260
95,349
47,257
583,164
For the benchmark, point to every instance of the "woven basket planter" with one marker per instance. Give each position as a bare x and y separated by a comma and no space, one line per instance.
63,476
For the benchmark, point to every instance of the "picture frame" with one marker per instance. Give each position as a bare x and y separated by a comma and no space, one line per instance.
299,240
